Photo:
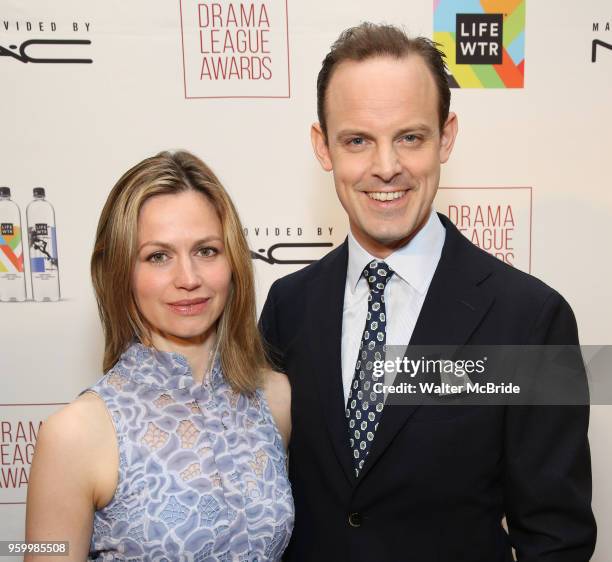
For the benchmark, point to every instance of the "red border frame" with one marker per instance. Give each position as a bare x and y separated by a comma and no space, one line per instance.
530,207
237,97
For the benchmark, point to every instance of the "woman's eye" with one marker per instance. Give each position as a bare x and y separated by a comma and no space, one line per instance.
157,257
207,252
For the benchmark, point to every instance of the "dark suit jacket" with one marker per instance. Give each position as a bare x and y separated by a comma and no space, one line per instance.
438,479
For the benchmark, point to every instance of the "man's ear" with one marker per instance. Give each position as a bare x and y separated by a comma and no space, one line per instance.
319,145
448,136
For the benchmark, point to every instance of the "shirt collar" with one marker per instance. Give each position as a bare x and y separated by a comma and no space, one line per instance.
162,369
414,262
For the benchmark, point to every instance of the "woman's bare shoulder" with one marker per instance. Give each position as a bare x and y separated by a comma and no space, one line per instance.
278,394
77,422
277,384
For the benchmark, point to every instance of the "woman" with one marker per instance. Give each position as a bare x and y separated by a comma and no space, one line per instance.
175,453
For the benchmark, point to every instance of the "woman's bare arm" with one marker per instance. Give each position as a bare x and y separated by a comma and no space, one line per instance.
74,472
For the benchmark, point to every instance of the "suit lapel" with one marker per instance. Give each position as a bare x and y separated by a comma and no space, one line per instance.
453,308
327,307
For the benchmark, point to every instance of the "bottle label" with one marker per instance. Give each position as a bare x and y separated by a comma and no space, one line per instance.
43,248
11,255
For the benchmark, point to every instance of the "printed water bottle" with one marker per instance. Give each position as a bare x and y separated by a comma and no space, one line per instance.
12,276
43,248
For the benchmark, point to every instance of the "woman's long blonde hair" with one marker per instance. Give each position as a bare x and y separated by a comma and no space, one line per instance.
112,262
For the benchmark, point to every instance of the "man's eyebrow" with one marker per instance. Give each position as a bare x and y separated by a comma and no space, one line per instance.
416,128
352,133
167,246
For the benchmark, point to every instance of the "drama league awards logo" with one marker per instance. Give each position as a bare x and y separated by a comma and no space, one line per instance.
38,41
289,245
235,49
484,42
601,45
496,219
19,427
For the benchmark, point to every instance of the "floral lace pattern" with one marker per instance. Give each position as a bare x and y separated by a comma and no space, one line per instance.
202,469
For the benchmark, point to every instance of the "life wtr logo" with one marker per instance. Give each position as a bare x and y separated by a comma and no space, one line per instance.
479,38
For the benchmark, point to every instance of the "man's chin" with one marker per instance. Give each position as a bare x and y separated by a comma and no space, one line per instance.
382,244
398,236
393,238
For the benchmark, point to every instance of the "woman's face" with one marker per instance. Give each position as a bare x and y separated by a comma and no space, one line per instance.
182,275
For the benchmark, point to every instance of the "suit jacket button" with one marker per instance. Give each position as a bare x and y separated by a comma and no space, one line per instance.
355,519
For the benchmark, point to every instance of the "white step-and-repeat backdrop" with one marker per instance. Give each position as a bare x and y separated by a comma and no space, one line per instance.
90,88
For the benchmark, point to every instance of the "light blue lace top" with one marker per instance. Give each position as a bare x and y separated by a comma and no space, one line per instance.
202,472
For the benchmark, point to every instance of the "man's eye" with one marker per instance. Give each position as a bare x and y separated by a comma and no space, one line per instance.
158,257
410,138
356,141
207,252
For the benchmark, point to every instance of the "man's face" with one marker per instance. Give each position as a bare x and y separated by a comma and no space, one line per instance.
384,146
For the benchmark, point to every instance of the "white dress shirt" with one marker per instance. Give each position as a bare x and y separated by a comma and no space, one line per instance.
414,265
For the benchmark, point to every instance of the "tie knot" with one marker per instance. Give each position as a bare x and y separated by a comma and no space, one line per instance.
377,273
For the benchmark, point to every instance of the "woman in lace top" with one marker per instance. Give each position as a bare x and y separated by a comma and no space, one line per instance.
178,451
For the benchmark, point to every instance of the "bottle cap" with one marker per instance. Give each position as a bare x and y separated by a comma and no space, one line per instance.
39,192
5,191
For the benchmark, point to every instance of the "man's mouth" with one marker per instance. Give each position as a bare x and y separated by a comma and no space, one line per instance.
386,195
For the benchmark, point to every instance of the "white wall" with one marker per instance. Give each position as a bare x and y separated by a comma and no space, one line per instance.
74,128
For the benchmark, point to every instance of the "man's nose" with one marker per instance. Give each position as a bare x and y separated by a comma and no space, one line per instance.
186,274
386,163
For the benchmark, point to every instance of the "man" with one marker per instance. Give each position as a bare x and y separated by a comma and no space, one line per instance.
375,482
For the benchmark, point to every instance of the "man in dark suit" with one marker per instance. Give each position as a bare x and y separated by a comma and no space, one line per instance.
377,482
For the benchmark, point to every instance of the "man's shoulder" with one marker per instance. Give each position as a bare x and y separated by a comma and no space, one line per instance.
496,275
517,295
523,307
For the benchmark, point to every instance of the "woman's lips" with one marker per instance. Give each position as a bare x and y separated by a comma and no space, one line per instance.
188,307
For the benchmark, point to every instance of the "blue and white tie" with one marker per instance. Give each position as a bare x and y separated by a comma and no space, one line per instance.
364,406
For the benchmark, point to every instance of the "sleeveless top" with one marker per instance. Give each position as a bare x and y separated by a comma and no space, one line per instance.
202,469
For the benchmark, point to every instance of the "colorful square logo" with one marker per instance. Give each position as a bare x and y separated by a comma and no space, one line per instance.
483,40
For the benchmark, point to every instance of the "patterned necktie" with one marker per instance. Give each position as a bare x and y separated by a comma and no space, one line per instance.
364,406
